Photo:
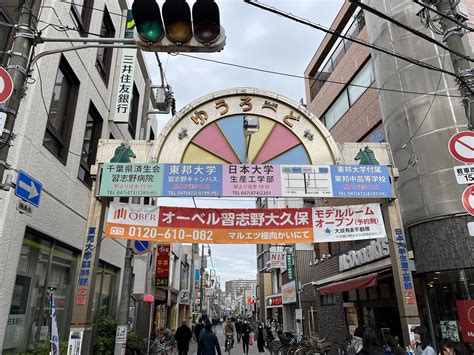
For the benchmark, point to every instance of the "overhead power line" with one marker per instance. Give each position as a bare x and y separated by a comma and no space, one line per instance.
439,13
409,29
312,79
355,40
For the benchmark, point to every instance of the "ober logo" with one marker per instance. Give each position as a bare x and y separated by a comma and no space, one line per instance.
376,250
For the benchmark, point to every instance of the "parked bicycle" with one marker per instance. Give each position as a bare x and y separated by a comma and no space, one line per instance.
154,347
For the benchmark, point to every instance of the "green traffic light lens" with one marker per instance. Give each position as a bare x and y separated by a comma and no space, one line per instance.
151,31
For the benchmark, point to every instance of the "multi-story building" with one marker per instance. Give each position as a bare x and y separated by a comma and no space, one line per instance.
69,105
343,91
235,287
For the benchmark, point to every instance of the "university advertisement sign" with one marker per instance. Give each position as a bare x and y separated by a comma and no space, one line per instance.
244,180
240,226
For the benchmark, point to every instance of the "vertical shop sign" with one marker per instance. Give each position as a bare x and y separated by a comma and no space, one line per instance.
407,284
466,318
130,25
125,85
289,265
84,275
162,265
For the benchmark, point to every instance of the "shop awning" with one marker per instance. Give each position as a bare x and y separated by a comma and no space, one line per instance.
352,284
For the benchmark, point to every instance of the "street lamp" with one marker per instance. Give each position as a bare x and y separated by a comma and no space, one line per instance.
251,126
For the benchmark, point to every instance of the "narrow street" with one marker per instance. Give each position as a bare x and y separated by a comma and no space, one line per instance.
237,349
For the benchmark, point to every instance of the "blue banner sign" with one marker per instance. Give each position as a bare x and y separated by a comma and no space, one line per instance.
361,181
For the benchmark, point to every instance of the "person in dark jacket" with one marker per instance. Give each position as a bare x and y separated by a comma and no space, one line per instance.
396,349
208,343
246,330
260,338
183,336
197,329
238,328
369,344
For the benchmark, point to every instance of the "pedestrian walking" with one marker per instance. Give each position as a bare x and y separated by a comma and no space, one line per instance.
238,328
260,338
421,342
369,344
449,347
356,341
183,336
246,330
395,348
208,343
197,329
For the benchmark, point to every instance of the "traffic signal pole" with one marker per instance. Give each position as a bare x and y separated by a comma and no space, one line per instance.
18,68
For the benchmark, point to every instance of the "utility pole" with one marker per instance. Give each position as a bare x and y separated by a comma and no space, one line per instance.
18,68
452,32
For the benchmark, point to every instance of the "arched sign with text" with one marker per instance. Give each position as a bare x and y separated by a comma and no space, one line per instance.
6,85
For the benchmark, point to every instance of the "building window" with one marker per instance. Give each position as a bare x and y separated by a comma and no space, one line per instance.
105,291
133,116
328,300
61,112
364,78
104,55
81,14
43,264
89,145
337,110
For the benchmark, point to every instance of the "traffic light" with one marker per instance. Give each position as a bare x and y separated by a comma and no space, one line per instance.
178,31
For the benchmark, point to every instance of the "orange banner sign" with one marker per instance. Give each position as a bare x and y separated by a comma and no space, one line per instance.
219,226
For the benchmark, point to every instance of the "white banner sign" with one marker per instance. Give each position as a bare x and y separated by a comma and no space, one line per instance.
288,292
122,216
277,259
125,85
342,223
464,174
75,342
54,326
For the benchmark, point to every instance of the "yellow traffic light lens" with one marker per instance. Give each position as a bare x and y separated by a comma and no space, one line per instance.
179,32
207,32
151,31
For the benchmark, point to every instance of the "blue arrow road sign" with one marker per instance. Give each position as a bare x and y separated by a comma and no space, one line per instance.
28,189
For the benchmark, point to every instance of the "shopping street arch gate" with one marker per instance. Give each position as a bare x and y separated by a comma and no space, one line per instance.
235,128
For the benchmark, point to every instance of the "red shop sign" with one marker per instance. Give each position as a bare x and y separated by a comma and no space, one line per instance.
466,317
162,265
275,301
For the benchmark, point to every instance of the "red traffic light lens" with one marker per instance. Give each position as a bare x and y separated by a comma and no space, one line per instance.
207,32
206,21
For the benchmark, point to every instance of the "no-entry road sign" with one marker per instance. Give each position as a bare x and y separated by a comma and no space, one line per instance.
461,146
468,199
6,85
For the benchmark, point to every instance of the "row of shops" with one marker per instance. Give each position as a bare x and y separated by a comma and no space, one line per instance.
357,288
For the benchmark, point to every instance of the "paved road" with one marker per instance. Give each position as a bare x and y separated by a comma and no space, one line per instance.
236,350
